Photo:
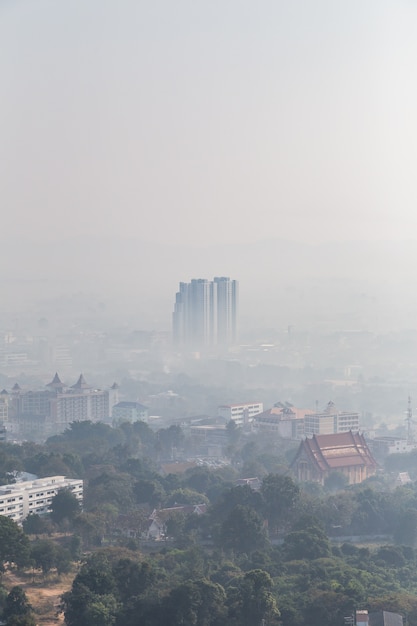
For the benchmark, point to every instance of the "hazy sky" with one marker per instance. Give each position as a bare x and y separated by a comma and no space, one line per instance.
218,121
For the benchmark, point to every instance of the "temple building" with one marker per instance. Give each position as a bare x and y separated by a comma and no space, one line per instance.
317,457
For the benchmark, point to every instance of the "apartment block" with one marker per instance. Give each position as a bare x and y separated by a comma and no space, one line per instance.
330,421
35,496
36,415
129,412
240,413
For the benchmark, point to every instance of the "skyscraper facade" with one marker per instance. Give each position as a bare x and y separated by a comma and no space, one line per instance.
205,313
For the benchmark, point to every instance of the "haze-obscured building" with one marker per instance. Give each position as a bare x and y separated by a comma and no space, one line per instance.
4,414
36,415
330,421
384,446
129,412
283,420
240,413
206,313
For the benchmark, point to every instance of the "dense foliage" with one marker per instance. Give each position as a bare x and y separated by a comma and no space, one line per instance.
278,553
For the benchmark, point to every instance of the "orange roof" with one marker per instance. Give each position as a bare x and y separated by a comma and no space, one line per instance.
339,450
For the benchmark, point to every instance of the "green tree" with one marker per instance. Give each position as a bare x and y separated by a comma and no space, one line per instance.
90,527
169,439
85,437
204,480
335,481
101,611
43,554
63,560
114,488
280,495
149,491
242,531
325,608
253,601
17,604
64,506
96,574
186,496
36,524
132,578
242,495
14,544
311,543
233,432
92,596
196,603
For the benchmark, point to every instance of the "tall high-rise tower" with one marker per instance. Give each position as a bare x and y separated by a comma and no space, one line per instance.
227,310
205,313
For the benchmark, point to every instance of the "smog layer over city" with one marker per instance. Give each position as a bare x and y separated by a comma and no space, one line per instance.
208,322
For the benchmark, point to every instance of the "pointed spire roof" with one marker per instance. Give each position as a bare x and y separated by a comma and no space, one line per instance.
81,383
3,392
16,387
114,386
56,381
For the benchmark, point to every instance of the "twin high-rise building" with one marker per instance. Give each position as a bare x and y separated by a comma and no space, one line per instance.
205,313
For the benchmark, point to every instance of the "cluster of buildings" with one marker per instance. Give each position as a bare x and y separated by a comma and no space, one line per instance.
38,414
289,422
330,439
205,313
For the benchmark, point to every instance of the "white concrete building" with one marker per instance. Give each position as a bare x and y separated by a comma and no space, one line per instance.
331,421
240,413
129,412
285,421
35,496
383,446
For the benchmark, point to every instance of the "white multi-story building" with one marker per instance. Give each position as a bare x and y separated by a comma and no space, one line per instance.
240,413
129,412
330,421
35,496
383,446
286,421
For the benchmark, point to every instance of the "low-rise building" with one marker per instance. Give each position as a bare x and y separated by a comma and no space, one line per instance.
35,496
254,483
286,421
240,413
383,446
159,518
378,618
129,412
330,421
